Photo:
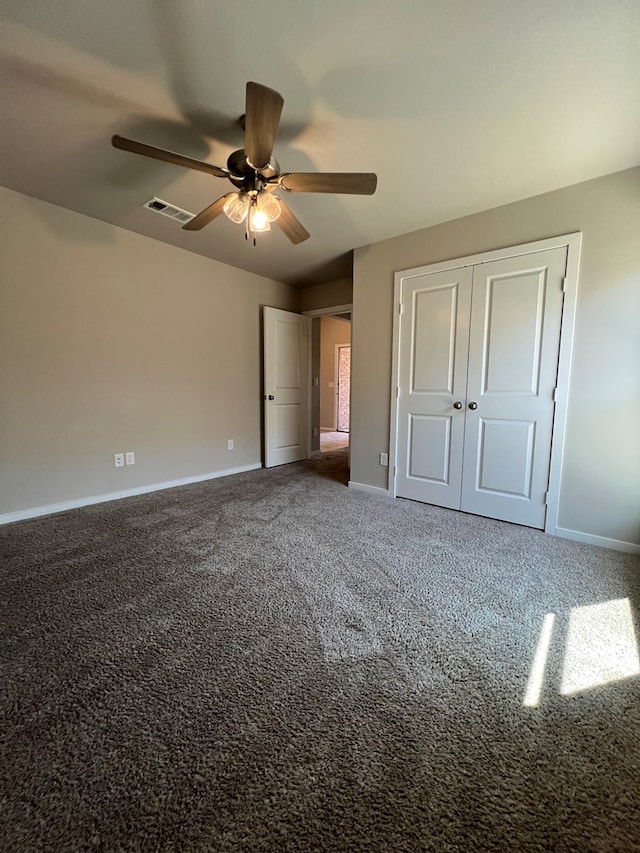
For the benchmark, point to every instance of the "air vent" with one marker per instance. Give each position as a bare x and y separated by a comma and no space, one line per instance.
170,210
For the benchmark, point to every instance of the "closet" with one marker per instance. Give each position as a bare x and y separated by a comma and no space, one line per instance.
477,366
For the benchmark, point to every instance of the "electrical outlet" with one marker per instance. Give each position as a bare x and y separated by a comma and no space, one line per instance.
230,444
118,460
384,458
130,458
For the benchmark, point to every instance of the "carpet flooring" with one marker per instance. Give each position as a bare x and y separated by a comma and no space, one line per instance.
274,662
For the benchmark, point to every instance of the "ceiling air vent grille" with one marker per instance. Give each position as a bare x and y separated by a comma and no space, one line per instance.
170,210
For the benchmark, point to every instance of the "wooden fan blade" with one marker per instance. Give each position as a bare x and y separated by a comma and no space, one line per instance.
290,225
207,215
351,183
168,156
262,117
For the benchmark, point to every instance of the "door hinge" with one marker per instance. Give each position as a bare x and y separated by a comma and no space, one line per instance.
555,395
400,308
564,284
546,498
397,390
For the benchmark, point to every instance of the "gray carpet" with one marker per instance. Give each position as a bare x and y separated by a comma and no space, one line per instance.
273,662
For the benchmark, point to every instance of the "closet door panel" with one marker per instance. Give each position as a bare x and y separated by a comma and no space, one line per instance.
513,359
432,377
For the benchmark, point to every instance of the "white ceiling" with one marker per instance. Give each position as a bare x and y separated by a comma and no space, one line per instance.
457,105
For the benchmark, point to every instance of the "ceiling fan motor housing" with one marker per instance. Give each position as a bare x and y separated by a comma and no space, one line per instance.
240,169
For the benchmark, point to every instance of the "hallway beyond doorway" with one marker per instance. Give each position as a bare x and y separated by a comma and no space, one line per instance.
331,440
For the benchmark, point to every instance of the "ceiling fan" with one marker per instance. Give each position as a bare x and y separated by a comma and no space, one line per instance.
257,175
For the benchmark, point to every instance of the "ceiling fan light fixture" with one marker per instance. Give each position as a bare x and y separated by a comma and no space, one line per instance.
236,207
258,208
268,205
259,224
258,221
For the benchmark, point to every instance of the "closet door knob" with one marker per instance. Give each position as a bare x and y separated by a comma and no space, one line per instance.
473,406
457,405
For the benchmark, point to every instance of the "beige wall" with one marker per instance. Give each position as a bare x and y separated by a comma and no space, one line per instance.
600,491
332,332
112,342
326,295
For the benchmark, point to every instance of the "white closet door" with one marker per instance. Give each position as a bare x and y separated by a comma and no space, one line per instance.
513,361
432,377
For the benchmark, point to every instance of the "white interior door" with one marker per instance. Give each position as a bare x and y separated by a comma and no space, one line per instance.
477,372
286,386
513,346
433,356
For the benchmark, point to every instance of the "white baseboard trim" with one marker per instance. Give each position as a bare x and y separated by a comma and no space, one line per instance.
34,512
372,490
601,541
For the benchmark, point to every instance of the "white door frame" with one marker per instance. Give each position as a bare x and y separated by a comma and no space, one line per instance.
573,244
328,312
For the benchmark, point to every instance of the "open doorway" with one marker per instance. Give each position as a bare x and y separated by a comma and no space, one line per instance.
343,379
335,382
330,417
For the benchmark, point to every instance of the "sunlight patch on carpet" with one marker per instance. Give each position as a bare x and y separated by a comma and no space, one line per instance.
601,646
536,676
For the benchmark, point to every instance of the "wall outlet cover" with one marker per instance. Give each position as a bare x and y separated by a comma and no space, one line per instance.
118,460
230,444
130,458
